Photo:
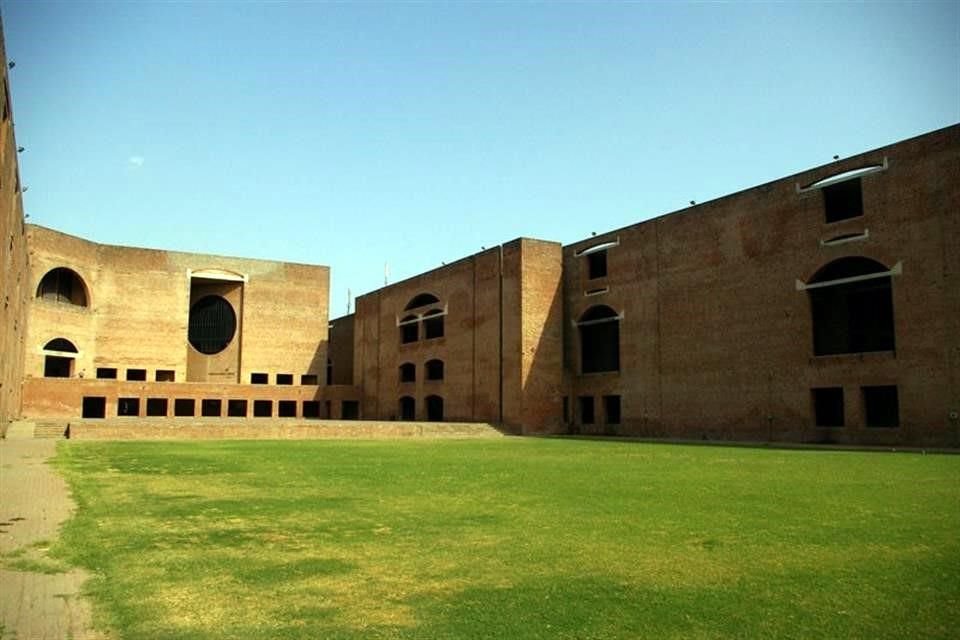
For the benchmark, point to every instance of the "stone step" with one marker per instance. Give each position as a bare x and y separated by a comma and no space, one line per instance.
50,430
19,429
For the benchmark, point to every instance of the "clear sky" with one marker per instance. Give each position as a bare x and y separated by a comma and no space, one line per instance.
357,134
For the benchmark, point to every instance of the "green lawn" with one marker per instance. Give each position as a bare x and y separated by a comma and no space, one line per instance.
513,538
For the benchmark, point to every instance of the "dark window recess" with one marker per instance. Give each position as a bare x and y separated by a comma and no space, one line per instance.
106,373
211,408
433,324
852,317
309,379
586,410
57,367
597,264
284,378
434,369
213,324
128,406
611,409
328,409
287,408
843,200
237,408
434,408
262,408
156,407
94,407
63,285
350,410
408,408
61,344
421,300
329,372
259,378
165,375
881,406
137,374
184,407
311,409
408,372
409,330
566,409
599,340
828,406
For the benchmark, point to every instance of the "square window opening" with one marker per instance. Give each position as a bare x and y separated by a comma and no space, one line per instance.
262,408
259,378
211,408
138,375
350,410
311,409
106,373
287,409
184,407
881,406
94,407
843,200
237,408
166,375
128,407
157,407
284,378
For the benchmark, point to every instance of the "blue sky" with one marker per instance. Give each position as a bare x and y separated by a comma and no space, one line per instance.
358,134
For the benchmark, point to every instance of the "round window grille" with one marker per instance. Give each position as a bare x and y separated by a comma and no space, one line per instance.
212,324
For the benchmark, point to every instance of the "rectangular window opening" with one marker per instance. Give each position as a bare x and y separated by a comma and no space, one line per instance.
597,264
184,407
259,378
57,367
94,407
284,378
106,373
165,375
157,407
881,406
309,379
262,408
311,409
237,408
586,409
128,407
828,406
842,200
287,409
138,375
211,408
350,410
566,409
611,409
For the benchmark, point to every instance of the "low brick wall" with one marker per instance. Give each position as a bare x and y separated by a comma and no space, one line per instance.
226,429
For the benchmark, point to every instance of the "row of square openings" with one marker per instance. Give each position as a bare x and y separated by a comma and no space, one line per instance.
96,407
433,371
587,410
880,404
139,375
427,323
309,379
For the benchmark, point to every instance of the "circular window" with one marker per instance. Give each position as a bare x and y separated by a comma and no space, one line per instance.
212,324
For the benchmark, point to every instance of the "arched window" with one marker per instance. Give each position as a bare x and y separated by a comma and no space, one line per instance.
59,359
409,329
408,408
434,369
434,408
421,300
599,340
408,372
433,324
851,304
60,344
63,285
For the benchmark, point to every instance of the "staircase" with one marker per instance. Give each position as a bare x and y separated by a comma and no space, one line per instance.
25,429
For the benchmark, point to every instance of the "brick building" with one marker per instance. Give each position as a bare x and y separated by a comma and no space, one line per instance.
822,307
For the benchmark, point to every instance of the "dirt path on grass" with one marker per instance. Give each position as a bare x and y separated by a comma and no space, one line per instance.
34,502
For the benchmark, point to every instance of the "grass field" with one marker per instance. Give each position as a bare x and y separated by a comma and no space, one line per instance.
513,538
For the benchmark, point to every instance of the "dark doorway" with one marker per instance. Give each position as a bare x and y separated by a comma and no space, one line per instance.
408,408
434,408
